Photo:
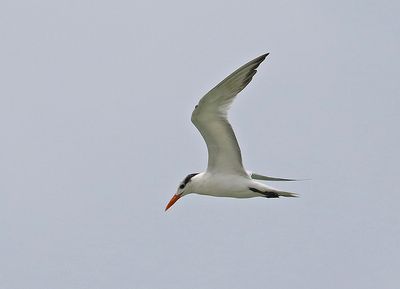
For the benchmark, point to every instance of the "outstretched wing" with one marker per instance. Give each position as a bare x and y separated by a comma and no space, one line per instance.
267,178
210,118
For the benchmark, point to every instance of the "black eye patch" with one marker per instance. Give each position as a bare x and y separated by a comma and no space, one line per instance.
182,186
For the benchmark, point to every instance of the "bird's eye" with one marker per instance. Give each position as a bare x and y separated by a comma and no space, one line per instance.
182,186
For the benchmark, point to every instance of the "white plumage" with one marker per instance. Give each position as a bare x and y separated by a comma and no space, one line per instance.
225,175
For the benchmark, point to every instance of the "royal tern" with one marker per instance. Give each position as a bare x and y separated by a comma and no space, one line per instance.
225,175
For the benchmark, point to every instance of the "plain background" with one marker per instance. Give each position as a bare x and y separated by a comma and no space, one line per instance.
95,105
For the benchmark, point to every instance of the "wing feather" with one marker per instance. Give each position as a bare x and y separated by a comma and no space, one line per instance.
210,118
267,178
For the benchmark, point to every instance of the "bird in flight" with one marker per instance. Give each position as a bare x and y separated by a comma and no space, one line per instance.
225,175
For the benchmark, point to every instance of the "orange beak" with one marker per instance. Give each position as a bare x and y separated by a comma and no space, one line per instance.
172,201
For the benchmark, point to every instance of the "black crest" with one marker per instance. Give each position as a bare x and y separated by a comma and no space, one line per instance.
188,178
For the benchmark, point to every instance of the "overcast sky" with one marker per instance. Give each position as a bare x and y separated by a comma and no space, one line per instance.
95,105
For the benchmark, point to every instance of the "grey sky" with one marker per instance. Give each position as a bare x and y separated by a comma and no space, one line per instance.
95,104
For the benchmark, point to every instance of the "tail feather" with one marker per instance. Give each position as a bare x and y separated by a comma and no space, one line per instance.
287,194
271,193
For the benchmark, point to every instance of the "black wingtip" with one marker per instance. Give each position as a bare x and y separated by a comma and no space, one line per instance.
261,58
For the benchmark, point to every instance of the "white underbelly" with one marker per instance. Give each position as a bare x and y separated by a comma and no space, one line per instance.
226,186
231,194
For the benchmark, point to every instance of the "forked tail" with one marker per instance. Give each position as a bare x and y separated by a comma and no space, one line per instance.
271,193
287,194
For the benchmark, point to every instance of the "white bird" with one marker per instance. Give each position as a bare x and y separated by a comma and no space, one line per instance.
225,175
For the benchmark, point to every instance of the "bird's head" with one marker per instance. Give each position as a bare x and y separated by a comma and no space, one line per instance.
184,188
